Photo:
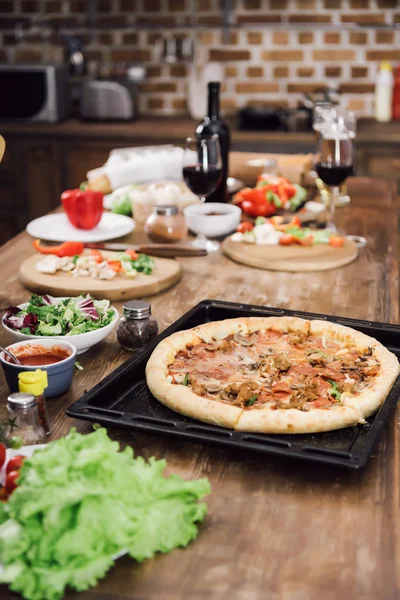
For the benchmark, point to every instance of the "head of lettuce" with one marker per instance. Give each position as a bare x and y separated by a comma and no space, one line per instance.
79,503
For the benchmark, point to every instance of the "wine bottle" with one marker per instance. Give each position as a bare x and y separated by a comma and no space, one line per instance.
211,124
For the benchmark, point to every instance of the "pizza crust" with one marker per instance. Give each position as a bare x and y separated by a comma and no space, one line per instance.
183,400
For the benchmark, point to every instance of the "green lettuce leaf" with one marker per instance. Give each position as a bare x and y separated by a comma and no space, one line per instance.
79,503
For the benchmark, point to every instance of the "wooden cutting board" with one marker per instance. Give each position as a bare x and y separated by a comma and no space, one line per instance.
166,273
320,257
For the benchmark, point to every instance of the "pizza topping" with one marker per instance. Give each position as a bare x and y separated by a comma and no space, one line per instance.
268,367
296,338
242,340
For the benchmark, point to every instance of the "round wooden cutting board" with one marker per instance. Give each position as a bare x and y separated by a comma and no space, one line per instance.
166,273
320,257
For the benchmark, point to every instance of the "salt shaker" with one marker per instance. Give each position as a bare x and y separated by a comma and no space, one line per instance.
22,410
137,326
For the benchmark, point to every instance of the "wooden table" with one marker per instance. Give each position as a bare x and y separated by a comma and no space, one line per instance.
274,530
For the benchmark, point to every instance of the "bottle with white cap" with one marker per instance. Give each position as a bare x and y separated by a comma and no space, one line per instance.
384,92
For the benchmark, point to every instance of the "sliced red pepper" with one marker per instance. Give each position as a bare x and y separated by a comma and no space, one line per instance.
115,265
257,209
83,208
97,255
245,226
287,239
308,240
64,249
131,253
336,241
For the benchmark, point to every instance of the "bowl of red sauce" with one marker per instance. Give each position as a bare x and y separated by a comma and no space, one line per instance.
54,356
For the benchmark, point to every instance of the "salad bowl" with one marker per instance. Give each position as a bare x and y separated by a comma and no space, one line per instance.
82,341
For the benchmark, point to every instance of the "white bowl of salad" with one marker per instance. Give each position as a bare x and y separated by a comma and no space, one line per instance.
82,320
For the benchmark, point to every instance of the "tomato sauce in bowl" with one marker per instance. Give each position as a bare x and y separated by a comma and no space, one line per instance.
39,356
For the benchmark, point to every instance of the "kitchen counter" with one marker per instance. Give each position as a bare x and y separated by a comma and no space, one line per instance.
275,528
156,129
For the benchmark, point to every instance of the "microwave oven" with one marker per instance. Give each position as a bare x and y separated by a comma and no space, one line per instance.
33,93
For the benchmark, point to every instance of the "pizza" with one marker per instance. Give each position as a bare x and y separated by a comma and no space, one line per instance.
272,374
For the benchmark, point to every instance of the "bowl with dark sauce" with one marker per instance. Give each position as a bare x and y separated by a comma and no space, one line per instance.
54,356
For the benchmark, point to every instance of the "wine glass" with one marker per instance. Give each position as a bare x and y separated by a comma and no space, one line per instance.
202,172
334,163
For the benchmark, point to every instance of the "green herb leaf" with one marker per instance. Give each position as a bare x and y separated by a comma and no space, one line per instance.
186,379
252,400
75,258
333,390
261,220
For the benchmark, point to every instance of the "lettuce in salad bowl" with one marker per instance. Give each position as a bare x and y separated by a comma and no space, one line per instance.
82,320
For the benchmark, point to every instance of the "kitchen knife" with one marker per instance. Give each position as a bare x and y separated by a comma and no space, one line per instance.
164,250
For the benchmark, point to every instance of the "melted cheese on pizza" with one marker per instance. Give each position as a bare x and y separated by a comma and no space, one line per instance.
281,370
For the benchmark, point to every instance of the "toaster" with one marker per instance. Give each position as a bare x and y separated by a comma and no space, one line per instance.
106,101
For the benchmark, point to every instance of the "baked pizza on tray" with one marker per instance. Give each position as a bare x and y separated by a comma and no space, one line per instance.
272,374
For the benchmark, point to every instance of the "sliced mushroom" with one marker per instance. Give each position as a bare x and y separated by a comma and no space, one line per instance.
212,386
243,341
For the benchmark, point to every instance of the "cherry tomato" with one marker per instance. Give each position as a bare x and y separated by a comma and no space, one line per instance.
287,239
11,481
15,463
131,253
336,241
306,241
97,255
245,226
3,454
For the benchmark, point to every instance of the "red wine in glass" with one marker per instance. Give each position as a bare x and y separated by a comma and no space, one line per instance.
333,174
200,181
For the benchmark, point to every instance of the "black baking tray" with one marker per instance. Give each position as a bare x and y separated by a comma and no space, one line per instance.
123,399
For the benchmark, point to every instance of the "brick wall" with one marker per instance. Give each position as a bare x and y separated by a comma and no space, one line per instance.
278,49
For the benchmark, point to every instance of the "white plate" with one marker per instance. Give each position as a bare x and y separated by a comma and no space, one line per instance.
57,228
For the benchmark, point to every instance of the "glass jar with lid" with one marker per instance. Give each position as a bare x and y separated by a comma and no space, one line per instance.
22,410
137,326
166,224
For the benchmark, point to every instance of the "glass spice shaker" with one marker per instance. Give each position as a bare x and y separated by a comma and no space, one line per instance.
23,412
35,382
137,326
166,224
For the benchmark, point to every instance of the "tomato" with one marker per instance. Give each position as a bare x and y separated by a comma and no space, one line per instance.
258,210
336,241
282,193
295,222
115,265
306,241
289,189
97,255
131,253
3,454
287,239
242,195
244,226
11,481
15,463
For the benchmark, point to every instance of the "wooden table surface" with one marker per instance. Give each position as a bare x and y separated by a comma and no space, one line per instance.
275,529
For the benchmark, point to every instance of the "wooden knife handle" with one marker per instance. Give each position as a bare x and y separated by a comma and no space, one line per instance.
170,251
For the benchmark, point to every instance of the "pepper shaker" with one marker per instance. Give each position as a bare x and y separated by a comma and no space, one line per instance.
137,326
22,409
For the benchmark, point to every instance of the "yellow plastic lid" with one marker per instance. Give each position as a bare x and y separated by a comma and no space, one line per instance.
33,382
385,66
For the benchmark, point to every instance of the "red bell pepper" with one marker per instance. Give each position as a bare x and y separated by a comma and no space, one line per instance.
64,249
83,207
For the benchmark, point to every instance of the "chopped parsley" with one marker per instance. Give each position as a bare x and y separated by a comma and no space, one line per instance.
186,379
252,400
333,390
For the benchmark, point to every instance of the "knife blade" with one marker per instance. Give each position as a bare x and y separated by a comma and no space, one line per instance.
162,250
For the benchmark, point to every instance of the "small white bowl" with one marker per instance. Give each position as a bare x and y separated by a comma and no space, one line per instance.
199,221
82,341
